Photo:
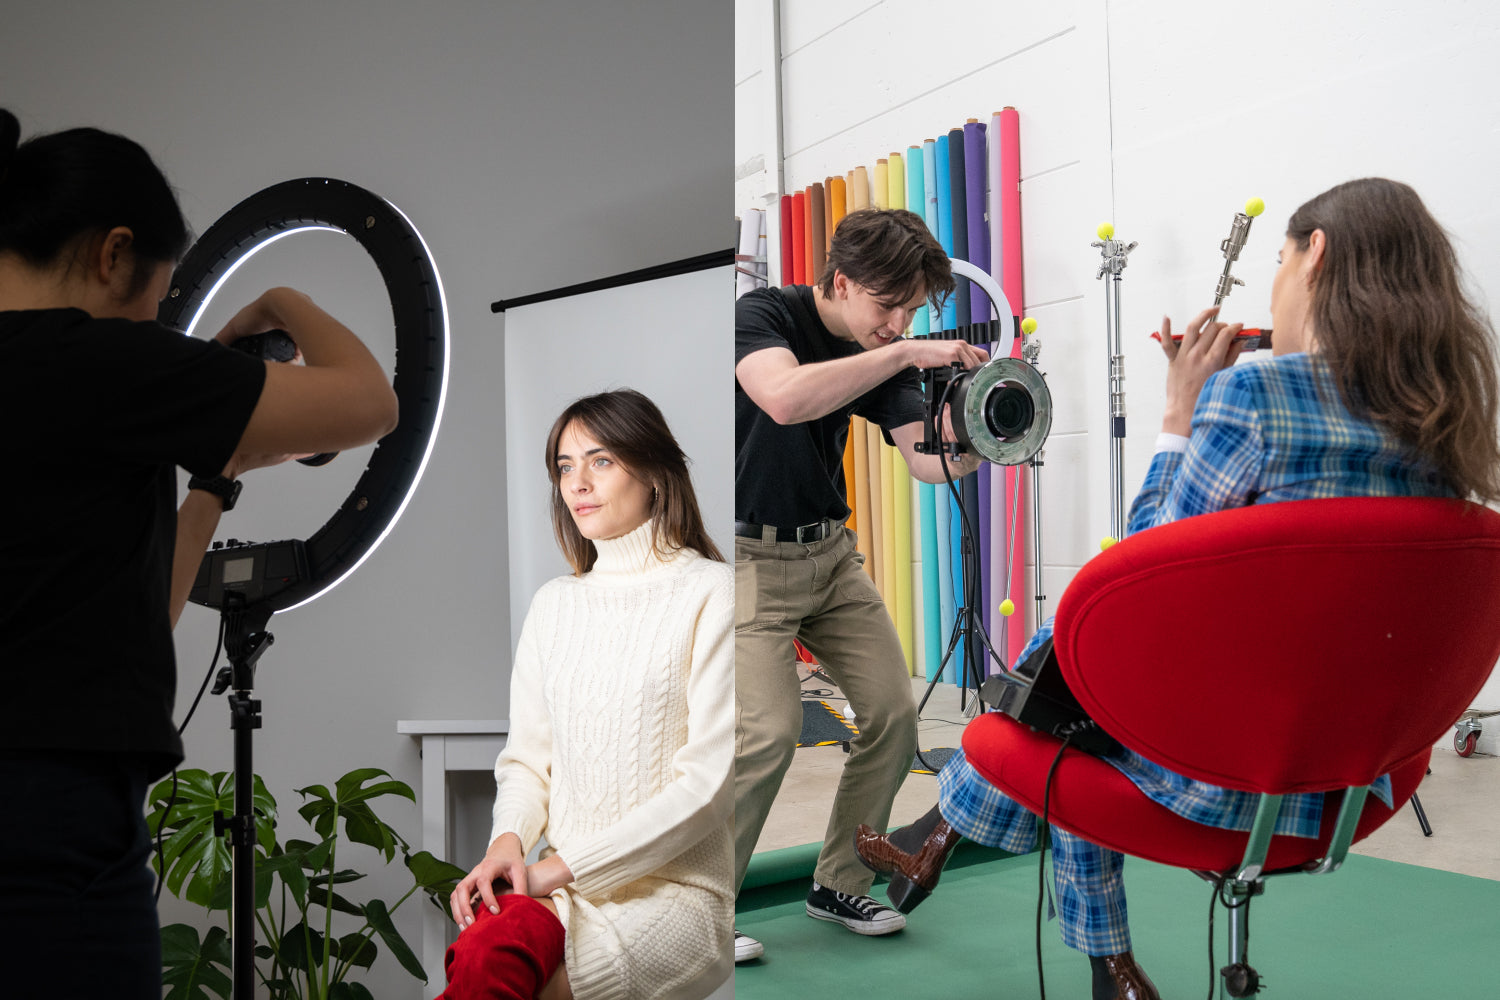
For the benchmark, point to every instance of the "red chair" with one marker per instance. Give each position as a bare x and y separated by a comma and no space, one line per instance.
1227,647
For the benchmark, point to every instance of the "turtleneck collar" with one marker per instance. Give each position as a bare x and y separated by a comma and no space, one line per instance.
629,555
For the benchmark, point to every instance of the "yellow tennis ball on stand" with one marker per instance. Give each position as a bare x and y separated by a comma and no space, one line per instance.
1254,207
1007,607
1106,542
1028,326
1106,231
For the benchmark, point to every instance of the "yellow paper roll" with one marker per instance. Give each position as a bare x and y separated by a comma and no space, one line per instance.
877,518
889,557
895,176
901,553
859,488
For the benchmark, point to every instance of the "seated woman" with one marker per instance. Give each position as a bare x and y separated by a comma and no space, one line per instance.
621,746
1383,383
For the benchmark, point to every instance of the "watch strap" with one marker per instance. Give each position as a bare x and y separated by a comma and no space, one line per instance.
226,489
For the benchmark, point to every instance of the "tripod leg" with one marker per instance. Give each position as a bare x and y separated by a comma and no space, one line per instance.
937,675
1416,805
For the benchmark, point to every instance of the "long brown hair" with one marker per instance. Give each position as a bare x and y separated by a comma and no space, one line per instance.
1406,345
633,429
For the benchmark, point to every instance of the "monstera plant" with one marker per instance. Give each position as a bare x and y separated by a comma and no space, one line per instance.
313,935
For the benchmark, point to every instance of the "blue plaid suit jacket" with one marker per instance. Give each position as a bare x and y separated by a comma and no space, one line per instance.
1262,433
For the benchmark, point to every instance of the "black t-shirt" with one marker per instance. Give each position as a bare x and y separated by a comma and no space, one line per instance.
96,416
793,474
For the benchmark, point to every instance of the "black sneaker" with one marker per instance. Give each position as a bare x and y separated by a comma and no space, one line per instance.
746,948
861,914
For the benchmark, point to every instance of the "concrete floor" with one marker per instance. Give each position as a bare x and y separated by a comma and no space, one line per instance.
1461,796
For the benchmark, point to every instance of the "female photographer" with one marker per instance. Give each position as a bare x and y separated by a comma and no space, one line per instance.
102,404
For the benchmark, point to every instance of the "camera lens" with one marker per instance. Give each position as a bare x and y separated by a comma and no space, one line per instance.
1008,412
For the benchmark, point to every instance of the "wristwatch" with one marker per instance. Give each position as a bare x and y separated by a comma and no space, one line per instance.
226,489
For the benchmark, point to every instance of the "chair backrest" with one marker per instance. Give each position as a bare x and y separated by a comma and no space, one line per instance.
1297,646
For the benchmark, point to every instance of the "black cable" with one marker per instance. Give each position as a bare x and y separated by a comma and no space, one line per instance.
161,864
1213,897
1041,866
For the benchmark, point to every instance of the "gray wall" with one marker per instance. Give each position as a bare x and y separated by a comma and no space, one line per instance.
535,145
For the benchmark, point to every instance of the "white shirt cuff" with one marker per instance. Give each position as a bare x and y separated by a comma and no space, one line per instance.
1171,442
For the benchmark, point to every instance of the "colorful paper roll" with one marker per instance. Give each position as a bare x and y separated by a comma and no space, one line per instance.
945,225
799,238
827,221
873,444
958,207
1012,285
880,193
975,177
860,189
852,522
786,264
861,489
817,240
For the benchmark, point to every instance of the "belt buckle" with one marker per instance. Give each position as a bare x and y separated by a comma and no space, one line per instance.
808,527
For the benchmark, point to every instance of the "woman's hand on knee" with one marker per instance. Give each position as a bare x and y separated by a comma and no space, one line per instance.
504,862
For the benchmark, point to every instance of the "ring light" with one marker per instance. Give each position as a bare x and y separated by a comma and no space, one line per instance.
1002,410
420,312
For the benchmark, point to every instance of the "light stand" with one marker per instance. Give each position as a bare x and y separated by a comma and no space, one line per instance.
249,582
245,639
1002,411
1114,253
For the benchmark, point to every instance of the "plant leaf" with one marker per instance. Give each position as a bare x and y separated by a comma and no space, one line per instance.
289,867
190,969
294,947
433,873
339,877
356,949
320,897
349,991
380,919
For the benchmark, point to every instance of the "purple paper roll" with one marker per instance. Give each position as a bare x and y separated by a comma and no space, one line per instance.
958,198
976,172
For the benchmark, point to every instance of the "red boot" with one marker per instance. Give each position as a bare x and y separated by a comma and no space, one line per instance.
508,955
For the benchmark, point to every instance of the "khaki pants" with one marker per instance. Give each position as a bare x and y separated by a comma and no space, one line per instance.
820,594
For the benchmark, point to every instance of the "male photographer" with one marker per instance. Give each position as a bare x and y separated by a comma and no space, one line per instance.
805,360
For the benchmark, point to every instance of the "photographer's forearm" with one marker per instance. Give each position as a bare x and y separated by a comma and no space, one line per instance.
197,520
792,393
323,340
341,399
929,468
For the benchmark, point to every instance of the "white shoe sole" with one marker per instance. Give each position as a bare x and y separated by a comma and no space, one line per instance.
748,952
867,928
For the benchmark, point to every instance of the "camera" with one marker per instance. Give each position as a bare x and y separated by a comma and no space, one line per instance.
1001,411
278,345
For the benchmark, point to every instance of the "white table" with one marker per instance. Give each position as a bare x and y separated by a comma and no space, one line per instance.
446,745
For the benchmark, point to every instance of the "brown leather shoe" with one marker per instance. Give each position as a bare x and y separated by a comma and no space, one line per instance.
913,876
1117,977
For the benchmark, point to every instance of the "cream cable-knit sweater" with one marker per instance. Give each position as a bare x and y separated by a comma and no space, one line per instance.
621,753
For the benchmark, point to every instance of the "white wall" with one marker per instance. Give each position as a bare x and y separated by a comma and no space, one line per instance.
1163,117
535,146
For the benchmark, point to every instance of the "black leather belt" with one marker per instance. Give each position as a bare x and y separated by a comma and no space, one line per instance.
815,532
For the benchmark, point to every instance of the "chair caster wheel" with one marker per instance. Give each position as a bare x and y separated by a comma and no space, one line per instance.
1240,980
1464,743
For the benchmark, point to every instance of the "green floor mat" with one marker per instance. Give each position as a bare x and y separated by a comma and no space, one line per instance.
1373,930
